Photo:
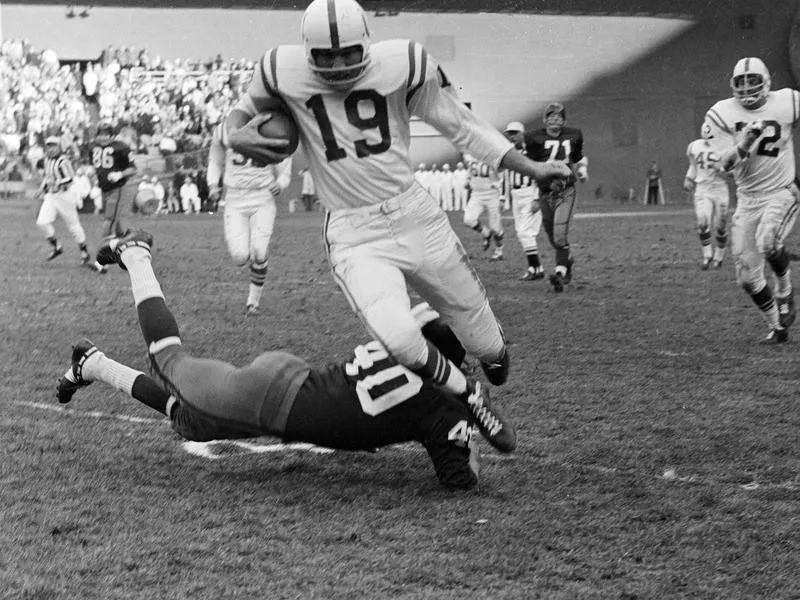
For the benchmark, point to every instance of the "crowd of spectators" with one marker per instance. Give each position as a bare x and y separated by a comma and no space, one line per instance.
170,108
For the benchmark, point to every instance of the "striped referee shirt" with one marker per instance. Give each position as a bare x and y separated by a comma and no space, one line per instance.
58,173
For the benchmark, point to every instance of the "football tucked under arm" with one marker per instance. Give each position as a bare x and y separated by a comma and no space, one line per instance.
741,151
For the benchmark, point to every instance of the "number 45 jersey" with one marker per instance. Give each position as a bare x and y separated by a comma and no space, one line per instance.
357,139
770,165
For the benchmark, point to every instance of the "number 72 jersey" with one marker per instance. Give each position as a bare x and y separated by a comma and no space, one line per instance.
770,165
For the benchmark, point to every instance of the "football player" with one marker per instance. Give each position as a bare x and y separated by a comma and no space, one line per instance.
557,195
111,159
352,101
706,181
752,134
59,198
368,402
485,194
524,195
249,214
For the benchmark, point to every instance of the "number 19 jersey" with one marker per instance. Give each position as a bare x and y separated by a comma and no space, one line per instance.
770,165
357,139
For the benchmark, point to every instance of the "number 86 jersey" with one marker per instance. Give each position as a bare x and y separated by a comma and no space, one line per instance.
770,165
357,139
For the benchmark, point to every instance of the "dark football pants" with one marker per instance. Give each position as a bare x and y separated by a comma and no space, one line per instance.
557,210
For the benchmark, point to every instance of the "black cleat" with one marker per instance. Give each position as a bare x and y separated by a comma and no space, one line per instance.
557,281
568,276
131,238
487,241
491,422
453,448
786,310
532,275
775,337
55,252
497,372
705,264
73,380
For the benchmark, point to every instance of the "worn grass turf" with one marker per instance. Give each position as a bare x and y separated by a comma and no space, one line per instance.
644,366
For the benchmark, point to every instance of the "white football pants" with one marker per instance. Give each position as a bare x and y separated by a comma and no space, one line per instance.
249,221
375,251
484,200
65,205
527,218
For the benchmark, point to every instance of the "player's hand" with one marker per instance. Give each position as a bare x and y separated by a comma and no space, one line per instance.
248,142
582,173
215,193
688,184
114,176
558,168
558,184
752,130
275,189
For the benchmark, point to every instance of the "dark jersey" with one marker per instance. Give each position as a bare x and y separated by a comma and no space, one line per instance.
113,156
541,147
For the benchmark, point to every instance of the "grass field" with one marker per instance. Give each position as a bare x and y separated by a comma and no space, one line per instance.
658,443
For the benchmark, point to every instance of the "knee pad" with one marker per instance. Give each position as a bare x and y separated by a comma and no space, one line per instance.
470,222
750,280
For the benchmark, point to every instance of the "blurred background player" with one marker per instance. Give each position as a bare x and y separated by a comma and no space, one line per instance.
368,402
59,198
249,213
706,181
383,231
524,195
557,196
752,134
308,193
460,187
485,194
111,159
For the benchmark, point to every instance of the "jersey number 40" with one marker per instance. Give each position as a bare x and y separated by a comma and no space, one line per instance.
382,381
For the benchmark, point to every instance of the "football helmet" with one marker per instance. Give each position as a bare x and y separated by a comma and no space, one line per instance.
750,82
554,117
337,40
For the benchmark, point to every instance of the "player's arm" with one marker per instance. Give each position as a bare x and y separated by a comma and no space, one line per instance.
283,173
216,162
732,149
691,173
580,163
244,119
129,168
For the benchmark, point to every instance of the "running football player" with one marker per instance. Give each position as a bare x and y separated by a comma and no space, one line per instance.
752,133
111,159
524,194
706,181
556,141
367,402
485,195
249,215
352,101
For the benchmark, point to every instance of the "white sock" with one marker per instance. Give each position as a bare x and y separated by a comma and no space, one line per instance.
783,287
144,284
254,297
98,367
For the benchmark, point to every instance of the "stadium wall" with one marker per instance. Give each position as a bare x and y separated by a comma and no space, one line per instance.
637,85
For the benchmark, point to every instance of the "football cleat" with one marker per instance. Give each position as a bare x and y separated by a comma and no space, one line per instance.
73,380
557,281
568,276
487,241
775,337
498,255
251,310
705,264
532,275
786,310
55,252
455,454
491,422
716,263
131,238
497,372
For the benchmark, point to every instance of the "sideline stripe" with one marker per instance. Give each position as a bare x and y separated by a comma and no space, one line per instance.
613,215
95,414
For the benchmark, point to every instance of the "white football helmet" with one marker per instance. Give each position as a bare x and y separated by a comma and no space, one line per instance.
750,82
705,131
329,28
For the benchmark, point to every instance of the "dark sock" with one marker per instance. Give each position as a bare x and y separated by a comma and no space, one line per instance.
156,321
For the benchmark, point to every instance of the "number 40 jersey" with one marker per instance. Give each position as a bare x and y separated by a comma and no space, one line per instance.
770,165
357,139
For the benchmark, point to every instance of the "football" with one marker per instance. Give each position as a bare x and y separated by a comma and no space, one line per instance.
281,126
145,202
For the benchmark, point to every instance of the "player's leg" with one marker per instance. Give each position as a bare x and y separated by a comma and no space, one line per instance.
44,221
68,210
721,217
703,211
562,217
236,229
750,269
262,224
472,215
776,224
496,225
112,212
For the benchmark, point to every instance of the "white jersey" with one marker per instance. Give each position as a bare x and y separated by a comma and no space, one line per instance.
770,165
357,140
705,169
239,172
483,177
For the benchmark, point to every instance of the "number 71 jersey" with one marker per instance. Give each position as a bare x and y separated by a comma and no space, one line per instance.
770,165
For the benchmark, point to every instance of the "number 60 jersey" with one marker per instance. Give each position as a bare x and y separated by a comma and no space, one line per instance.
357,139
770,165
